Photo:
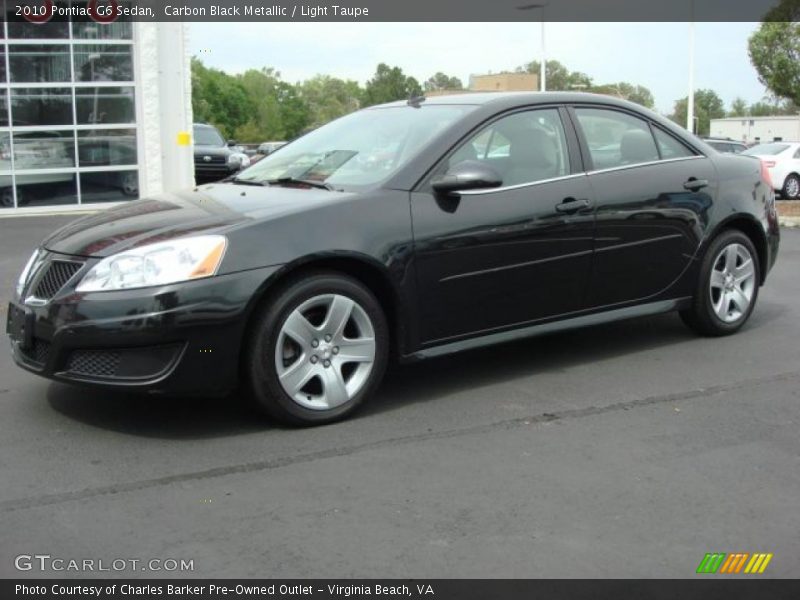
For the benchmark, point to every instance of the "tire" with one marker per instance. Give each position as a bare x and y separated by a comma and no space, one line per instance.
7,198
297,375
791,187
723,305
129,184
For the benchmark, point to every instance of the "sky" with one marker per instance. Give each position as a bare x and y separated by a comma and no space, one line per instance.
655,55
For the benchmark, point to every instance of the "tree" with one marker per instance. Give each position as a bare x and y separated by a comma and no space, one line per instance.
328,98
390,84
739,108
559,78
440,81
775,51
626,91
707,105
770,108
219,99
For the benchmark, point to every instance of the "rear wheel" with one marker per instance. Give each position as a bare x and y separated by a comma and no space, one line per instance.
318,350
727,289
791,187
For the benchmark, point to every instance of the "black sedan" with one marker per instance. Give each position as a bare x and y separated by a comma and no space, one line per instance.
402,231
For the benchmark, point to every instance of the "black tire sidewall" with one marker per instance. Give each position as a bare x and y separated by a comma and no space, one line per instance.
703,307
265,388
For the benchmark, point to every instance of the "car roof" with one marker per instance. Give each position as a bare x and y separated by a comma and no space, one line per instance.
510,99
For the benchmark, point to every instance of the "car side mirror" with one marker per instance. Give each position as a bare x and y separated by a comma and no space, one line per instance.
232,143
467,175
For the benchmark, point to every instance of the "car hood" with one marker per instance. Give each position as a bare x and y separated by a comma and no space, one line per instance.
199,149
212,208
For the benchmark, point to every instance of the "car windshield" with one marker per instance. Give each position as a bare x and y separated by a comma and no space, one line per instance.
207,136
766,150
360,149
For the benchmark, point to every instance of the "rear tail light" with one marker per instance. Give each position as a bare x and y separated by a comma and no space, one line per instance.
765,176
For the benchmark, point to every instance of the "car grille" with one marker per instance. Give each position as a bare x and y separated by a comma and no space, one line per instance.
39,352
56,275
215,160
98,363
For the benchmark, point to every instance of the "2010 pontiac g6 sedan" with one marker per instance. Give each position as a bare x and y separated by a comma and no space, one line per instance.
405,231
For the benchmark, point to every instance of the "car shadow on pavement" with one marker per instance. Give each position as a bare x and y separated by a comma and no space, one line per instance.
156,416
196,418
424,381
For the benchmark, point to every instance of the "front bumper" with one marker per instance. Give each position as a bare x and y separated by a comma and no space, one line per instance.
215,171
179,339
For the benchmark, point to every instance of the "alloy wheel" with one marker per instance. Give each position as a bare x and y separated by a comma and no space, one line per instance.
733,281
325,351
792,187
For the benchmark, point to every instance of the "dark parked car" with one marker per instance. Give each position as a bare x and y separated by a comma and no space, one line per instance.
408,230
214,158
726,145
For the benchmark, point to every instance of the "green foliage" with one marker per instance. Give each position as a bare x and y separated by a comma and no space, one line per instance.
390,84
771,108
440,81
218,99
329,98
739,108
633,93
775,53
559,78
707,105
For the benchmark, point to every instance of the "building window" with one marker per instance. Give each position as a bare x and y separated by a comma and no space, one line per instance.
68,131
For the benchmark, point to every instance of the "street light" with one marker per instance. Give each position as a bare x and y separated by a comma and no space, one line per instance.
543,65
690,99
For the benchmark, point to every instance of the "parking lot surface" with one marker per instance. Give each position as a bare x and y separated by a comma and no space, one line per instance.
624,450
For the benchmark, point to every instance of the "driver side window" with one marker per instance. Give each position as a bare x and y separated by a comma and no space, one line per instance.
524,147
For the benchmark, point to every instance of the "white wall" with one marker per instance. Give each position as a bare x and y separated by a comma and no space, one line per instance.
749,129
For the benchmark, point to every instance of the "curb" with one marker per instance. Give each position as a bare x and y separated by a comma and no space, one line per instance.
790,222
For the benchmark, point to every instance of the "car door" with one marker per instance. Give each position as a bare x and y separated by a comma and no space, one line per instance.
654,196
510,255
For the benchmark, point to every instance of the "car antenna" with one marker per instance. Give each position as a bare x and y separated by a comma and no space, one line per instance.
416,101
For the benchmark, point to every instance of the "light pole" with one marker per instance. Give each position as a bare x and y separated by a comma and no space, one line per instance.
690,100
543,52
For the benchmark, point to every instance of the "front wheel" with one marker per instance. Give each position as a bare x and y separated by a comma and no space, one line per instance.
318,350
727,289
791,187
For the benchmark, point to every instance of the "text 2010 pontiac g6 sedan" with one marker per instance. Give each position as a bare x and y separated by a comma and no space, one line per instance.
409,230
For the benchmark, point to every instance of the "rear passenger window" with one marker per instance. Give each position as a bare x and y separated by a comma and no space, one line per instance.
616,139
672,148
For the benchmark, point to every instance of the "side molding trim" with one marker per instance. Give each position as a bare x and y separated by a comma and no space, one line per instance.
608,316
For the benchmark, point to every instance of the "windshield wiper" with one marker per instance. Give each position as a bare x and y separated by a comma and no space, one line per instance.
315,184
239,181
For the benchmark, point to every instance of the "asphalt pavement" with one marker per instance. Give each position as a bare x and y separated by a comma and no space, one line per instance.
625,450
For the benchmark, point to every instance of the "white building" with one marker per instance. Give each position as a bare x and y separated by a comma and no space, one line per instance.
758,129
92,113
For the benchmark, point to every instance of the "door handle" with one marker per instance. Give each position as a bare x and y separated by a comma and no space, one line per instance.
570,205
695,184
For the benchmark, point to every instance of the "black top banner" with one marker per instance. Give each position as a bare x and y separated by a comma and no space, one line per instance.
40,11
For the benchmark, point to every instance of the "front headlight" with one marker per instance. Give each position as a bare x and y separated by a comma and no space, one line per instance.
157,264
23,277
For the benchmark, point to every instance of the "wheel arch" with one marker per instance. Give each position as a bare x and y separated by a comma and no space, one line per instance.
785,179
365,269
750,226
